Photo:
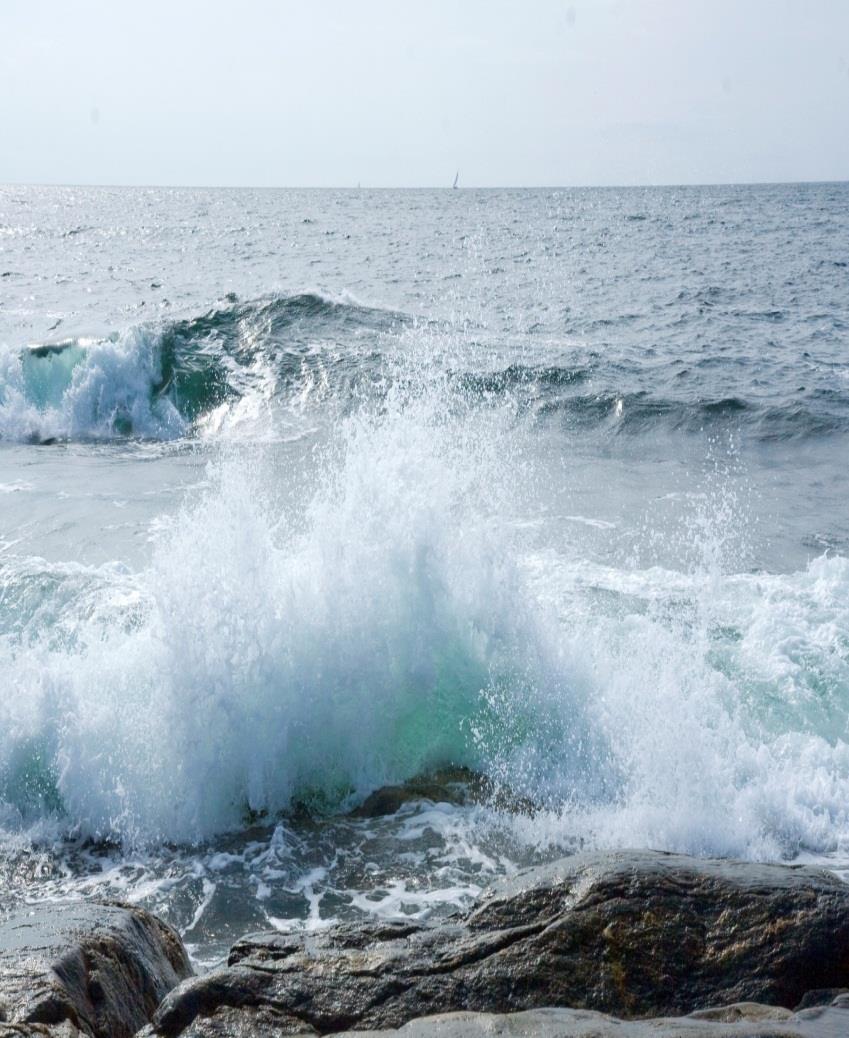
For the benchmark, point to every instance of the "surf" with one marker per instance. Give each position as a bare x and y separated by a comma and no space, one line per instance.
311,627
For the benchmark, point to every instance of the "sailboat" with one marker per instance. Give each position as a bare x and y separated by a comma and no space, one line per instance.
456,179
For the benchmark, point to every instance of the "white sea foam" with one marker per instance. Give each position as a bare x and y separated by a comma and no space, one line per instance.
86,390
397,620
262,660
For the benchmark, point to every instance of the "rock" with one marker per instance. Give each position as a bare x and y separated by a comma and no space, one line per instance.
389,799
749,1021
741,1011
635,934
445,785
75,968
237,1022
822,997
63,1030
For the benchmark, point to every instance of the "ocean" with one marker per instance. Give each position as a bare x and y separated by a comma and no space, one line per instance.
305,493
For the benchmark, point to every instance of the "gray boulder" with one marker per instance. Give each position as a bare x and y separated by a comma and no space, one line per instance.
75,968
635,934
748,1020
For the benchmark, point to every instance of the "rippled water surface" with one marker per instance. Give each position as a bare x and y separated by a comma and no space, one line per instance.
307,492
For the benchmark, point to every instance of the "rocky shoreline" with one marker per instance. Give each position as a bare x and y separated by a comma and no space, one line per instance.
627,944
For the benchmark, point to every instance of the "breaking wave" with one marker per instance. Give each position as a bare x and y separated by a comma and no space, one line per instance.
249,362
161,382
385,616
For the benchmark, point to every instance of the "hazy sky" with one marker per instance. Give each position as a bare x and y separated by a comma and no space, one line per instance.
404,92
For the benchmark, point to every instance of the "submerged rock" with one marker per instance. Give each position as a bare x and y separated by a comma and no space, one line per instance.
445,785
76,968
636,934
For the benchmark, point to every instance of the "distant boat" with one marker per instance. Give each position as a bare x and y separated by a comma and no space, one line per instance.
456,179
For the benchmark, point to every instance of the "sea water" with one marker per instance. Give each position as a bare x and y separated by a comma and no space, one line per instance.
303,493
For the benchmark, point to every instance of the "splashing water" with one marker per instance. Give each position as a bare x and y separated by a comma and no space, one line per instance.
296,548
394,623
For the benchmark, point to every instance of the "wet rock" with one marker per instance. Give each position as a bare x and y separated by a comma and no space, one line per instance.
239,1022
635,934
447,786
72,968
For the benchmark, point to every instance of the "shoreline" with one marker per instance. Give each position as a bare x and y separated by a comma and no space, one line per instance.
626,943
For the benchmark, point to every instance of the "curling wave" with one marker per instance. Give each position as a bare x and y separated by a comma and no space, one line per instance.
160,382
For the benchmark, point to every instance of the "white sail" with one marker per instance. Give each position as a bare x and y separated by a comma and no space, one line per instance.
456,178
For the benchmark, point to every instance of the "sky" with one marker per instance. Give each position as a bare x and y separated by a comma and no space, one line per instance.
406,92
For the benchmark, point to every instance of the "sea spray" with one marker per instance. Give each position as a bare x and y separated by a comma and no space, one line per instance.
553,506
268,659
308,631
86,390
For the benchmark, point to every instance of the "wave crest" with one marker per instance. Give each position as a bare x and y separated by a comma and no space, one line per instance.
158,381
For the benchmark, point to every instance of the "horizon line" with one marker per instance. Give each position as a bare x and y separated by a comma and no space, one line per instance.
422,187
